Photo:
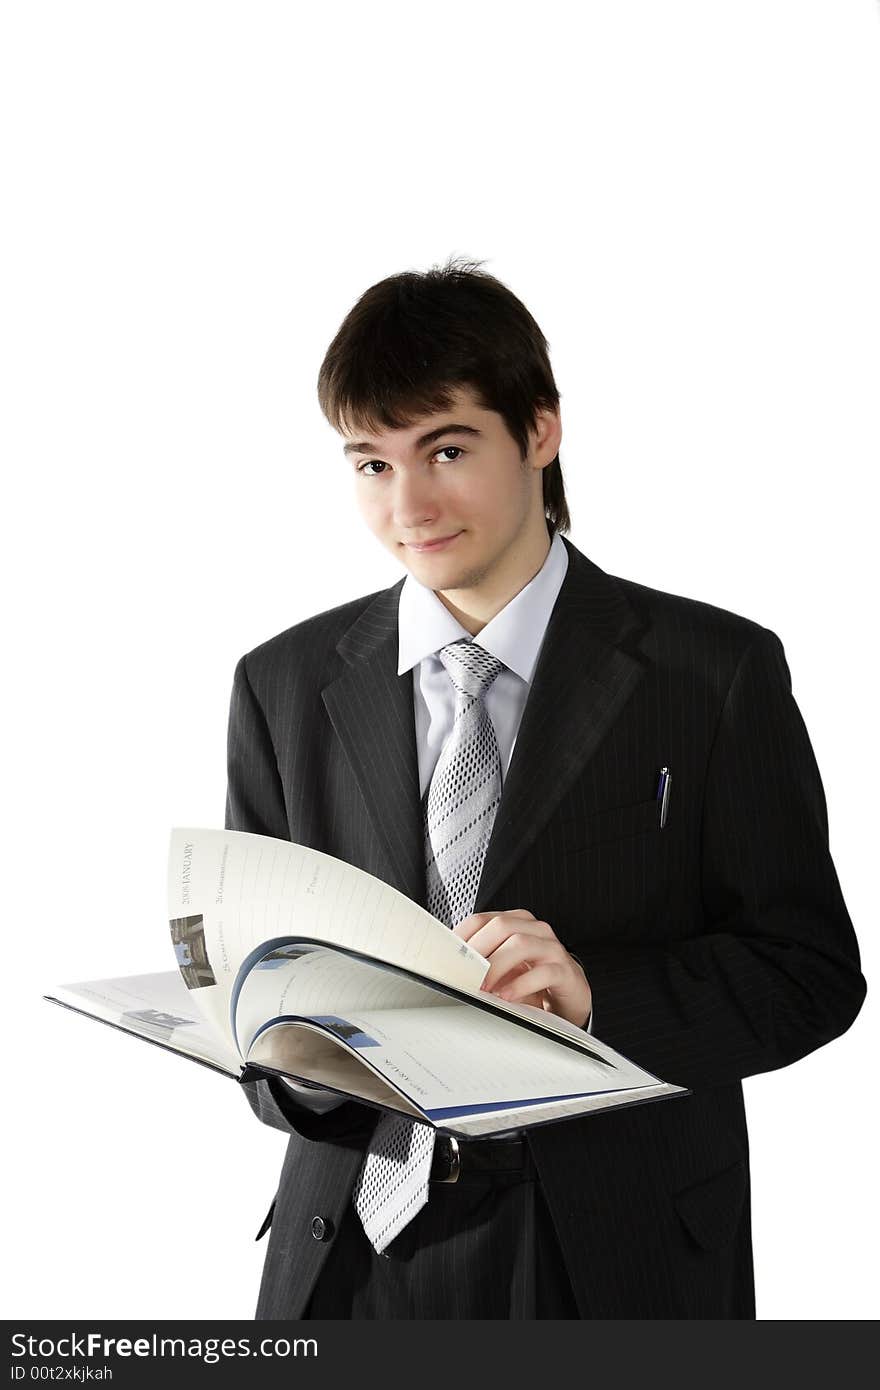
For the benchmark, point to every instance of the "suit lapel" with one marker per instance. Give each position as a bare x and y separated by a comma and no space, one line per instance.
371,709
586,672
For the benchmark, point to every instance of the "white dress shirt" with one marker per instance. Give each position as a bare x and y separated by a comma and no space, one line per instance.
515,636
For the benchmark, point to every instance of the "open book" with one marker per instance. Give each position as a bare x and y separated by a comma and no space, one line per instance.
293,963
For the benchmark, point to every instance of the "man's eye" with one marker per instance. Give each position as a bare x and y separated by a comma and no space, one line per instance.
380,464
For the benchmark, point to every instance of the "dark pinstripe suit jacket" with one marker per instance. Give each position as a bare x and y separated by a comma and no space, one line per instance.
716,948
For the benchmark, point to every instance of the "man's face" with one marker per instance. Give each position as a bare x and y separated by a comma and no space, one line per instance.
460,506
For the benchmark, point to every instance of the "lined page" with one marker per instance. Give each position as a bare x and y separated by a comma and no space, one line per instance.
453,1057
315,980
255,888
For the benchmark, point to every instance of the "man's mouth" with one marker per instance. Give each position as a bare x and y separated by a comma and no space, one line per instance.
428,546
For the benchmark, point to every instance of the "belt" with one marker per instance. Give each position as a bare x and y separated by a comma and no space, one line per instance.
452,1159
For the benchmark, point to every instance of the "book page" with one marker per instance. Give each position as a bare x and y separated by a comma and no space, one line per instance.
453,1060
306,1051
157,1007
212,872
486,1123
199,960
303,979
250,889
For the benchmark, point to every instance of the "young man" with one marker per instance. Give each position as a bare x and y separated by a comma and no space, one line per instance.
490,735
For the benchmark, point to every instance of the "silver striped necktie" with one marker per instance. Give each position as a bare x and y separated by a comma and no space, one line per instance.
460,808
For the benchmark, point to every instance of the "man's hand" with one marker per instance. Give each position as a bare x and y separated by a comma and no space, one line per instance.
528,964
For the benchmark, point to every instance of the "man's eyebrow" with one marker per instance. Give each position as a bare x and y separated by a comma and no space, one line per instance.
365,447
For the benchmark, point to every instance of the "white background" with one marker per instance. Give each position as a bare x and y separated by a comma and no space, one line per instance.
685,196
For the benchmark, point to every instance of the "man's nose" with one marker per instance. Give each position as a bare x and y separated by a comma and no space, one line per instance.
414,499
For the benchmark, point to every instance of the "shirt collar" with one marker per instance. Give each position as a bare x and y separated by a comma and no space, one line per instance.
514,635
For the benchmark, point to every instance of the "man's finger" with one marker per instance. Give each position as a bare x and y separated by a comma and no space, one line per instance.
468,925
518,952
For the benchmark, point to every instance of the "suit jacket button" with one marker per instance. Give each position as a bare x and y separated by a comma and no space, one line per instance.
322,1229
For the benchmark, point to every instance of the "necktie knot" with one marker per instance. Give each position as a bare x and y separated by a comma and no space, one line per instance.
470,667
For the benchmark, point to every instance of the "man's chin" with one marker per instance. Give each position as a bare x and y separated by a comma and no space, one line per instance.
447,579
437,570
430,576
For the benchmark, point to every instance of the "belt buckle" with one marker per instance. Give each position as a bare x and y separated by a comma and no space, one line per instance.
454,1158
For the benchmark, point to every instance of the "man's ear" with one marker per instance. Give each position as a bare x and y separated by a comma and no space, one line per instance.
546,436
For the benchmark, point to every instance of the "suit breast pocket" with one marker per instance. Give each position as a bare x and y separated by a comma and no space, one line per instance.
577,836
613,866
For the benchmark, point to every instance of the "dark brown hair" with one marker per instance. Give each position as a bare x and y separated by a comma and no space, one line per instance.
412,338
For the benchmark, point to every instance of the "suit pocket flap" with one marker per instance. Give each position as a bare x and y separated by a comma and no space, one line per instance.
711,1209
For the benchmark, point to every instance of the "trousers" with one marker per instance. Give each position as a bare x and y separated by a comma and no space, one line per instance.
482,1247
